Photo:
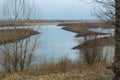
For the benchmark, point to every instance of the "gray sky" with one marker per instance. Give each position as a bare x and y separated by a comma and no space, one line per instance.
63,9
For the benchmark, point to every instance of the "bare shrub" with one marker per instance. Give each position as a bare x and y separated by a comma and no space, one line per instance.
92,54
61,66
18,56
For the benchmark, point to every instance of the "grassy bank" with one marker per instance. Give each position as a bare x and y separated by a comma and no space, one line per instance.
84,24
99,42
11,35
83,32
63,70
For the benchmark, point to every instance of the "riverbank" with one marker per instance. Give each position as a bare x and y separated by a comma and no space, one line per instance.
98,42
11,35
82,32
85,31
87,24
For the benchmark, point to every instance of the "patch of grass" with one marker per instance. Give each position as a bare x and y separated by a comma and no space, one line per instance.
65,70
11,35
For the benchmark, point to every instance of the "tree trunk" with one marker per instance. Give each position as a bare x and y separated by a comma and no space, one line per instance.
116,64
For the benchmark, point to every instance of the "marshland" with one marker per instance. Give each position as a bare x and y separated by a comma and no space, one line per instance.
54,42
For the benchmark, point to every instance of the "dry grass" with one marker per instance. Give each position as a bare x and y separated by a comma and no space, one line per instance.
83,31
99,42
95,24
79,71
83,28
11,35
64,70
52,67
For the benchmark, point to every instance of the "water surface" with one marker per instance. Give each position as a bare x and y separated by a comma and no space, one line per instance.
55,43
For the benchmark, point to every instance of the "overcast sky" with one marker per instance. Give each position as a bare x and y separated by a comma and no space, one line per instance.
63,9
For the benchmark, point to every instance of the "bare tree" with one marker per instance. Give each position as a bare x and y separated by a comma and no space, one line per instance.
110,10
18,56
92,55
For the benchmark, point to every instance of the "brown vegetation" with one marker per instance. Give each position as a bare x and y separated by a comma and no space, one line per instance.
99,42
83,32
63,70
11,35
95,24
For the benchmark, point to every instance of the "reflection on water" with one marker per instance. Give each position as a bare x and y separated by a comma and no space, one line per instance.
107,50
109,31
55,43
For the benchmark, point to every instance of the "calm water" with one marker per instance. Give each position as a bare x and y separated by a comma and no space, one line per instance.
55,43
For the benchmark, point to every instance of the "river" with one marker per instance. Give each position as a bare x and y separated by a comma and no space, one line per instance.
54,43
